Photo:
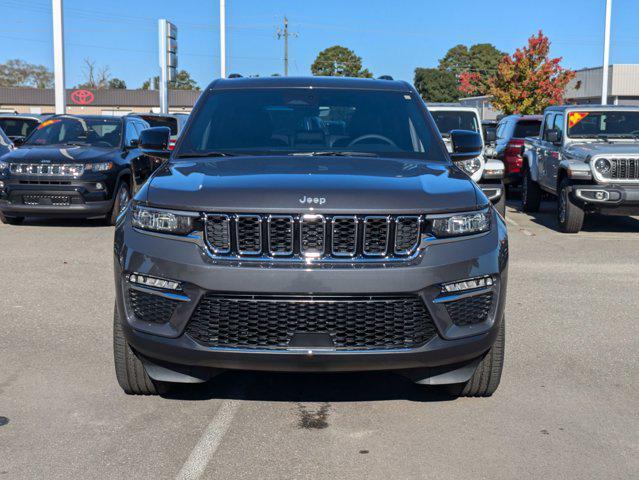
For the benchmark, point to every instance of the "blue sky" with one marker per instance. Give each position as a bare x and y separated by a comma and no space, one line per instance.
392,37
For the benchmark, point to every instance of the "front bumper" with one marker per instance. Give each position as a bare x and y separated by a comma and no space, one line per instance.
84,198
188,262
612,199
493,189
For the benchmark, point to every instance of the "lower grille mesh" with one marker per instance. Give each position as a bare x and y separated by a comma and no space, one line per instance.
271,322
151,308
470,310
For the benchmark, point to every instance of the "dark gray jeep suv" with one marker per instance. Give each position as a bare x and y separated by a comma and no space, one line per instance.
310,225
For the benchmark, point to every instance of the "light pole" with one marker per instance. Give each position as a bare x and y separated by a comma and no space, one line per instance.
606,55
58,58
223,38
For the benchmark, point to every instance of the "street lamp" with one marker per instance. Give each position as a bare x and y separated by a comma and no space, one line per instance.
606,55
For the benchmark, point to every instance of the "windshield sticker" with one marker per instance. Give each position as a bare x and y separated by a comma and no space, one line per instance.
575,117
46,123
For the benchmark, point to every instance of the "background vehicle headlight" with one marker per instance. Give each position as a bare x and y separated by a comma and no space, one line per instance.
461,224
158,220
603,166
98,167
3,165
470,166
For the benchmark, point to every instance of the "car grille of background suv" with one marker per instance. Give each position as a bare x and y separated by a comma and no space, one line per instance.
313,236
624,168
470,310
151,308
366,323
47,169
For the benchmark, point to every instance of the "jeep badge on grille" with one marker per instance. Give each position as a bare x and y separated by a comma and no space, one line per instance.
317,200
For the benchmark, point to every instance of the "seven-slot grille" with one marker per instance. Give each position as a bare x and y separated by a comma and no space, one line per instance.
263,322
46,169
313,236
624,168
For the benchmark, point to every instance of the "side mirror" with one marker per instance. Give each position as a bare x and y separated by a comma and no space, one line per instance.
18,141
466,145
155,142
134,143
554,136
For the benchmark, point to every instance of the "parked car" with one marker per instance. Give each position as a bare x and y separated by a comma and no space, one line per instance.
74,166
6,145
488,173
266,244
19,126
174,121
511,132
588,156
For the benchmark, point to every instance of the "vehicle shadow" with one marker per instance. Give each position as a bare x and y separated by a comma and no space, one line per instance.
309,387
62,222
594,223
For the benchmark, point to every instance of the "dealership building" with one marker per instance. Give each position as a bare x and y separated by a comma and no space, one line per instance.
94,102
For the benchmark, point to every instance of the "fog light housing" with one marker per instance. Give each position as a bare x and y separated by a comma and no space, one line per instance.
154,282
470,284
99,186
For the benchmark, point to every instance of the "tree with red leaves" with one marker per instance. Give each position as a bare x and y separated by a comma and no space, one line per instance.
528,81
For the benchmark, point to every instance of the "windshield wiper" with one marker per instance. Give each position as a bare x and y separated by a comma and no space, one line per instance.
205,154
334,154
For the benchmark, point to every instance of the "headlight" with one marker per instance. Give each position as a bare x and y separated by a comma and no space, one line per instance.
461,224
98,167
3,165
158,220
603,166
470,166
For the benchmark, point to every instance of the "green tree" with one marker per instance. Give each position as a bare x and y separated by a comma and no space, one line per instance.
472,66
117,83
530,80
436,85
338,61
183,81
18,73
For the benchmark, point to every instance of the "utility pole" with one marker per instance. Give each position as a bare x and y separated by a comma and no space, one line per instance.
606,55
223,38
284,33
58,58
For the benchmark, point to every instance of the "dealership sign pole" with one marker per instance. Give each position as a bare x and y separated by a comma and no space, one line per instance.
606,57
168,60
58,57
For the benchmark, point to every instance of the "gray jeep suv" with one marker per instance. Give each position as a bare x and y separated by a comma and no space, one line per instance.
310,225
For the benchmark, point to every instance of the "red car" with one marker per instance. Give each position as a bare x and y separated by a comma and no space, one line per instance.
511,132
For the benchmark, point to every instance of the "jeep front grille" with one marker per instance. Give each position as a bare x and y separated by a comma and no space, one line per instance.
352,323
49,170
624,168
313,236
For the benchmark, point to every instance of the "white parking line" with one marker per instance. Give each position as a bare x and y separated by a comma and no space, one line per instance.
511,221
201,454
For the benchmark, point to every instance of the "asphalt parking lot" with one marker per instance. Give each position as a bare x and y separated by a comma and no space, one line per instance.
566,408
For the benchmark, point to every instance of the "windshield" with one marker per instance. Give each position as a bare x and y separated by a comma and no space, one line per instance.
448,120
527,128
308,121
611,124
97,132
18,127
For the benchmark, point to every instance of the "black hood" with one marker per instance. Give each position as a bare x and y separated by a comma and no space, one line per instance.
334,185
59,154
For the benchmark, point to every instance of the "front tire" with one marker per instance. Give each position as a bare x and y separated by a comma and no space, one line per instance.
487,376
570,216
530,193
121,200
11,220
129,369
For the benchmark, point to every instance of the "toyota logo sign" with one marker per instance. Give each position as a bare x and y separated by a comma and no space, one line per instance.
82,97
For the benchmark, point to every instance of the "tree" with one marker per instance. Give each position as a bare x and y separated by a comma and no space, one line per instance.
18,73
436,85
117,83
338,61
183,81
95,78
530,80
472,66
